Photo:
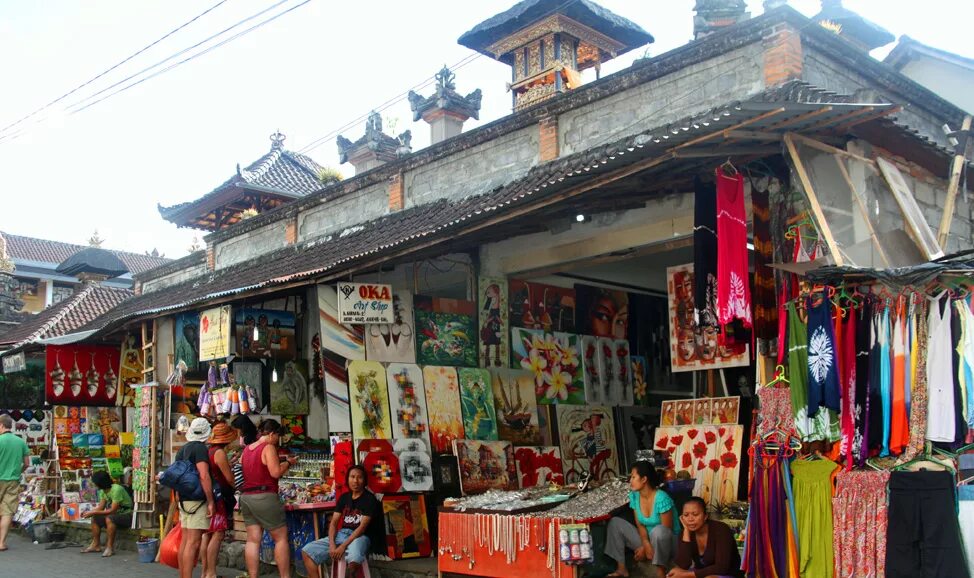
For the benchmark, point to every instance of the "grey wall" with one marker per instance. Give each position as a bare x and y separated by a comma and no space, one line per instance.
173,278
951,81
250,245
334,215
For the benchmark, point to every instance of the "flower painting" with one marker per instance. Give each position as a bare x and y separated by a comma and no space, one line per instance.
640,387
407,402
594,371
485,466
554,360
516,407
369,400
443,404
446,332
477,404
539,466
709,454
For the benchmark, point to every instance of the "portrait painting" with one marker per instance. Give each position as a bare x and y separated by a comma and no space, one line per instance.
602,312
542,307
265,333
494,325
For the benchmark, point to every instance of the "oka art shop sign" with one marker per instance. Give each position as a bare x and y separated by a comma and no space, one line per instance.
365,303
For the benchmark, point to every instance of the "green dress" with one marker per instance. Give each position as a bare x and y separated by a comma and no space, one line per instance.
813,511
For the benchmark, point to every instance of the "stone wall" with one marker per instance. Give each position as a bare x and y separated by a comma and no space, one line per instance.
334,215
252,244
174,278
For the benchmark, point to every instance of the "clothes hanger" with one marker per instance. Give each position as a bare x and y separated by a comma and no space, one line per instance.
779,378
728,168
926,456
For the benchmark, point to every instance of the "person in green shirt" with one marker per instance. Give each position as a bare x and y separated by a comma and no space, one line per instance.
14,457
114,511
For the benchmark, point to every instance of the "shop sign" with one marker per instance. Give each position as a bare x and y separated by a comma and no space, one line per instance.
14,363
215,333
365,303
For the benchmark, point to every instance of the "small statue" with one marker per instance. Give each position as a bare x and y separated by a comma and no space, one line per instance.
444,78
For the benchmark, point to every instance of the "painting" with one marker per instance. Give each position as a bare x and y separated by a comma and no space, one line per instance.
494,326
709,454
554,360
701,411
515,405
477,404
415,465
637,426
539,466
602,312
485,466
407,531
214,333
394,342
407,402
443,404
382,465
338,406
725,410
620,380
347,341
594,373
289,394
265,333
369,400
543,307
187,332
250,374
640,375
129,371
676,412
82,375
446,331
694,347
587,439
19,390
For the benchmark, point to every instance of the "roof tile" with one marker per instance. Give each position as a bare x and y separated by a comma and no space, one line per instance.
80,309
56,252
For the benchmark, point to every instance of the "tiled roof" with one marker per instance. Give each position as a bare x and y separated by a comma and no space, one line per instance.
80,309
56,252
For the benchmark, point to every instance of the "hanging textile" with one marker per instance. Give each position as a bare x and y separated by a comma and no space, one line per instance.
705,252
733,281
883,370
823,374
859,524
899,434
966,352
770,546
918,383
764,296
823,426
813,507
847,356
863,332
965,516
776,410
941,425
960,394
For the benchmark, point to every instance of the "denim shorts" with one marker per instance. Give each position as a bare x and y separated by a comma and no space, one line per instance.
357,551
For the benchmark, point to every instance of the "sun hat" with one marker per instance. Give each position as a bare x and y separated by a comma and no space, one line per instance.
223,434
199,430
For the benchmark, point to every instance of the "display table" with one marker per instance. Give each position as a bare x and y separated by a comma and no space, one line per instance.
315,509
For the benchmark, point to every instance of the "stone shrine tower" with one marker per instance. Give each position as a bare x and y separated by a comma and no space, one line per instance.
445,110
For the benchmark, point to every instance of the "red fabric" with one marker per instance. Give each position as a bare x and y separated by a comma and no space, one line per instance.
733,282
846,345
256,473
215,470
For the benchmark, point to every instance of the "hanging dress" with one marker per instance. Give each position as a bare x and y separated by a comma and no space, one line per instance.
859,515
813,504
899,434
823,371
885,389
863,343
918,382
705,252
941,426
733,281
824,425
848,375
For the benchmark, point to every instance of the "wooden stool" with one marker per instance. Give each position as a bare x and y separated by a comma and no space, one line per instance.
338,569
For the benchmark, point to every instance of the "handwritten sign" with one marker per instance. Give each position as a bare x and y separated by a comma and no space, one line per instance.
14,363
365,303
215,333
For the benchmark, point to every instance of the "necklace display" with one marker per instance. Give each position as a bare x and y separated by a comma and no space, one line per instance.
499,534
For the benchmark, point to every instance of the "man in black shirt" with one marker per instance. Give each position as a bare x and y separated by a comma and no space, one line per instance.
194,516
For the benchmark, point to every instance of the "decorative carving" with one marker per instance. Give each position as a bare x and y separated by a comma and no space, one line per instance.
536,93
277,140
382,146
550,25
445,98
534,59
548,43
444,79
405,143
518,65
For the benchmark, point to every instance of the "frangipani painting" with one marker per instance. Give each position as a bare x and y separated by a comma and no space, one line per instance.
369,400
517,410
554,360
443,405
710,454
477,404
407,402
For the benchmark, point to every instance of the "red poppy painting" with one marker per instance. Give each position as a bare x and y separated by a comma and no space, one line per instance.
708,454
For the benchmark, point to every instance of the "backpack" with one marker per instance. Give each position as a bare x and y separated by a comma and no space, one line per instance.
183,477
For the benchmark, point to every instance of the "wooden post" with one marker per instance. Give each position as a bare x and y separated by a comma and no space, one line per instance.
956,169
821,223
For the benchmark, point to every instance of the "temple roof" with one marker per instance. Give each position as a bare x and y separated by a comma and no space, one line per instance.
54,252
854,26
93,260
908,48
272,180
527,12
446,97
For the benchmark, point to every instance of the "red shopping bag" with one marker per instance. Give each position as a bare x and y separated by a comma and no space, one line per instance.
169,549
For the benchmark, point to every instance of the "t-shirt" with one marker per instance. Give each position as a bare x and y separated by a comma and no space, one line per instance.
352,511
117,495
195,452
13,450
662,503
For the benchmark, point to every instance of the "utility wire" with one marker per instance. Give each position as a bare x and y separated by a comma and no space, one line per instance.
103,73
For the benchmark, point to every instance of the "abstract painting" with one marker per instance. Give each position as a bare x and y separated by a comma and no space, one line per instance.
587,439
544,307
554,360
602,312
443,404
394,342
289,394
369,400
539,466
382,465
415,465
477,404
265,333
407,402
446,331
516,407
347,341
494,326
485,466
709,454
406,529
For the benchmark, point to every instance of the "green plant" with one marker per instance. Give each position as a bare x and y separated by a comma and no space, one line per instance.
329,175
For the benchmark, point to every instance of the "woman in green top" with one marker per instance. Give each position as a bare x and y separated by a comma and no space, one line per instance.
653,538
114,511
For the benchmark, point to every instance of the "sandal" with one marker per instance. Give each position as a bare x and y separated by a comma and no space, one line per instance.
91,549
108,553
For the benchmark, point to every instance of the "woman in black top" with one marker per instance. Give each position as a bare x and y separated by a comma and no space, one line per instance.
706,547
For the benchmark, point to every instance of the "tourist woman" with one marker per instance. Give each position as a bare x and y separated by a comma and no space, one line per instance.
114,511
222,436
245,429
260,503
706,547
653,538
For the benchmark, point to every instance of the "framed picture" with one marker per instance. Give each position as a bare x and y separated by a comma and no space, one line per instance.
515,406
446,331
477,404
539,466
485,466
407,530
587,437
394,342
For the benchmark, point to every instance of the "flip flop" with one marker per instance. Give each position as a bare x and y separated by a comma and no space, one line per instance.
107,553
91,550
4,549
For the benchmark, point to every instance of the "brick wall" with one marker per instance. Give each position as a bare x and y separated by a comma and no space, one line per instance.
396,202
782,55
291,231
548,138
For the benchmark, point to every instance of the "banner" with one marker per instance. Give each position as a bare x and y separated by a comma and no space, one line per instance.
14,363
360,303
214,333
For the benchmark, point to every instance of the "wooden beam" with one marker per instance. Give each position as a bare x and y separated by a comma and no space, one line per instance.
752,135
813,200
956,168
800,118
739,125
840,118
816,144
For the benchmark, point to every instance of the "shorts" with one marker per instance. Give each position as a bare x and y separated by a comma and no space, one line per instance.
264,510
120,520
9,497
357,551
193,515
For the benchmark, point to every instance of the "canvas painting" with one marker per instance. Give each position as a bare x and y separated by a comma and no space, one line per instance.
443,404
415,465
369,400
494,325
725,410
539,466
289,394
701,411
693,346
336,393
407,402
620,373
382,466
477,404
407,531
446,331
394,342
485,466
602,312
640,376
187,330
347,341
676,412
129,371
554,360
709,454
587,439
515,405
543,307
264,333
594,373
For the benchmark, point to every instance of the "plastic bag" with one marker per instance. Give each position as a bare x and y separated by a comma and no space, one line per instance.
169,549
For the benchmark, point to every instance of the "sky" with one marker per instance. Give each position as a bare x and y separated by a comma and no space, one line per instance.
313,70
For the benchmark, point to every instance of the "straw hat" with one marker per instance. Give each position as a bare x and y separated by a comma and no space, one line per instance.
199,430
222,434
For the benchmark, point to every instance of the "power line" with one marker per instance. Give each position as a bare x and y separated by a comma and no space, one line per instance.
103,73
